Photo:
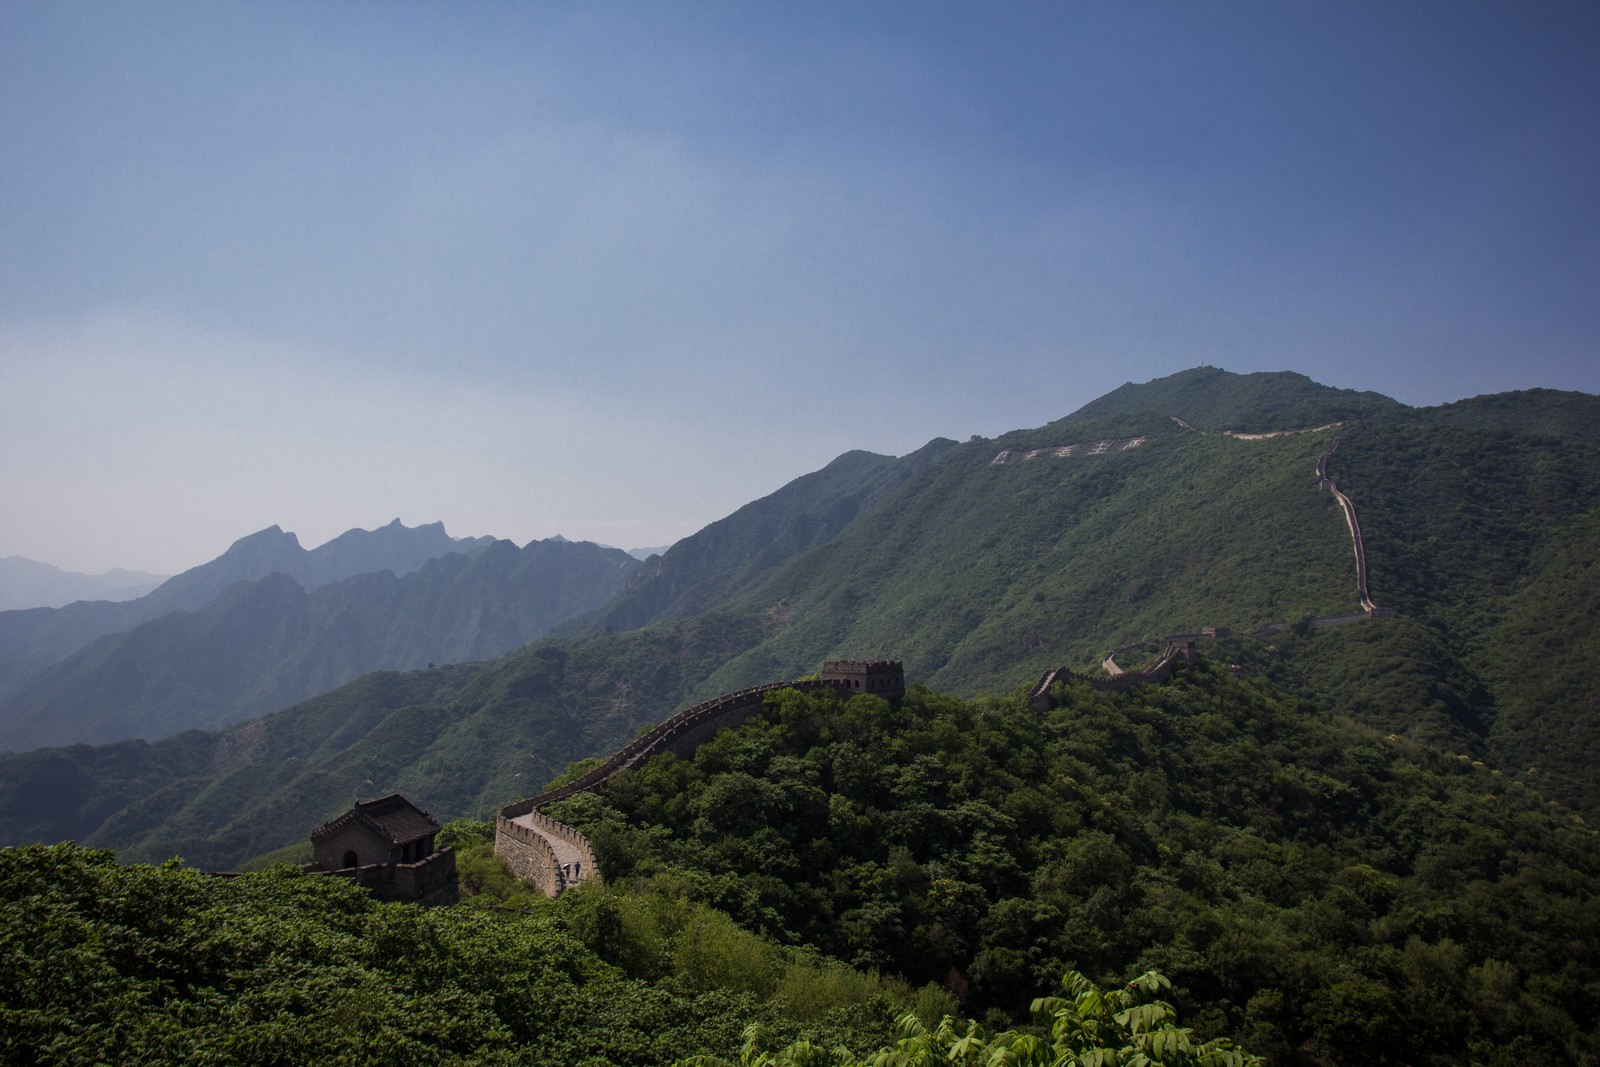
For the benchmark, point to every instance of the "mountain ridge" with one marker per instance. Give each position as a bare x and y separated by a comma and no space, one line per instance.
36,638
266,644
28,583
979,575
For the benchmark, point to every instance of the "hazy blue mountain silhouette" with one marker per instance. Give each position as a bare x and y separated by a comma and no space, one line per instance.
268,643
33,639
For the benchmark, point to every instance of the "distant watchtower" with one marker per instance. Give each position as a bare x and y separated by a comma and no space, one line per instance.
881,677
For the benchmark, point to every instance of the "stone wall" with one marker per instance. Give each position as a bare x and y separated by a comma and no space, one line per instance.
528,857
1039,695
428,881
571,856
717,712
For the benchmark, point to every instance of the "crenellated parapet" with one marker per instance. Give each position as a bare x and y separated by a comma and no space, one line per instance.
860,677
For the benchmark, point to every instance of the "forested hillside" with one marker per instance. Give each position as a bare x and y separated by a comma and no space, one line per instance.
1479,523
1483,524
1214,399
1313,890
731,554
463,738
976,574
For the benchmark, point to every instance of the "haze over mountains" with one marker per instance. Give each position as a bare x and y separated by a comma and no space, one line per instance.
269,622
1481,529
27,583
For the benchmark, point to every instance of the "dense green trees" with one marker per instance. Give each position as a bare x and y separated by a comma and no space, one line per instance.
1086,1028
102,963
1315,857
1313,889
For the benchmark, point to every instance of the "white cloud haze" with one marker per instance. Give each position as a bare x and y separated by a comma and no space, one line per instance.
613,270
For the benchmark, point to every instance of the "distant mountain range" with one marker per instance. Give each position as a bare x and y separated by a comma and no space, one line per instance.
268,623
1160,508
27,583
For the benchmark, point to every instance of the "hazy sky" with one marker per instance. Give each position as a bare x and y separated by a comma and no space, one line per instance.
613,270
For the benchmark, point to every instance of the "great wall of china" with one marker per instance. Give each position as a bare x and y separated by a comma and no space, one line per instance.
555,857
1163,667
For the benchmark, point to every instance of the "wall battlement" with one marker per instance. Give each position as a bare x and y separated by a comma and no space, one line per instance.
431,880
880,677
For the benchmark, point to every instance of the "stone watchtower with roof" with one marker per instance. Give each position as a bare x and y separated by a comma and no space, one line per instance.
387,846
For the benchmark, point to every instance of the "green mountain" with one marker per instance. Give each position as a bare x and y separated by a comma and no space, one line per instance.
1318,891
464,738
732,554
978,572
1483,525
1309,888
266,644
980,565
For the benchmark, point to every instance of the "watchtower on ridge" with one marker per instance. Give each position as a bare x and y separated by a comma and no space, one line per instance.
880,677
387,846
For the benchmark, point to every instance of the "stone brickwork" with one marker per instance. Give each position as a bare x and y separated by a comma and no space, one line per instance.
386,846
428,881
876,677
528,856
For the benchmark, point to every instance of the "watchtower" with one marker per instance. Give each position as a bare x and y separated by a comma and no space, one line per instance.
880,677
386,845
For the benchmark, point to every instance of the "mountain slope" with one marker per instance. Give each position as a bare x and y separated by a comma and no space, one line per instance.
1483,522
395,547
470,737
734,553
979,574
267,644
1282,868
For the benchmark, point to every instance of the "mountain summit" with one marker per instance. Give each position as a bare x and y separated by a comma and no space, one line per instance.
1210,398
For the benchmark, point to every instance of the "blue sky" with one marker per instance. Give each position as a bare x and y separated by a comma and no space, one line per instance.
613,270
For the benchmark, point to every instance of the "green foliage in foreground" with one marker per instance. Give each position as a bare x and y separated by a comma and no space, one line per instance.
1086,1028
101,962
106,963
1319,891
